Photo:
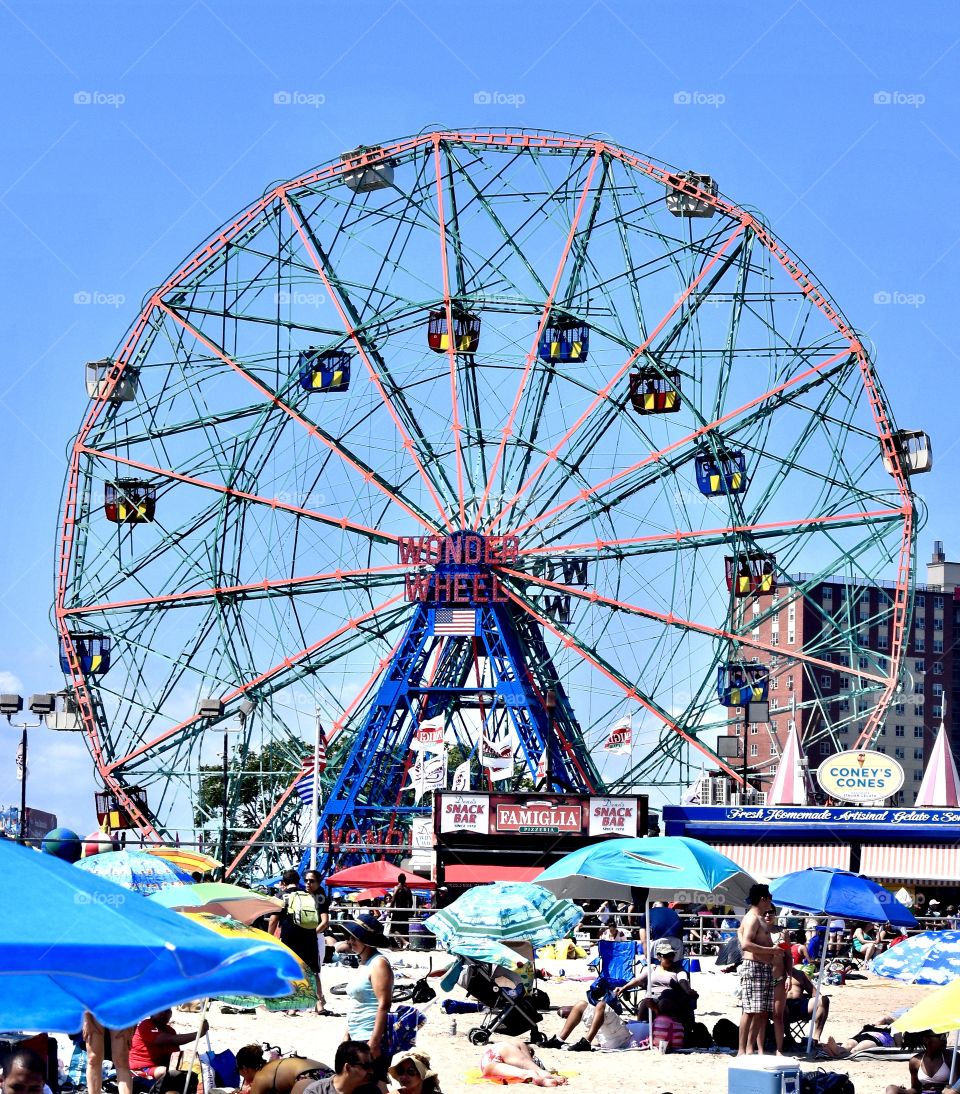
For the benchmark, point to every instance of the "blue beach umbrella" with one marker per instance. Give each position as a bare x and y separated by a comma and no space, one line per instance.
135,870
88,944
825,890
505,911
651,868
932,957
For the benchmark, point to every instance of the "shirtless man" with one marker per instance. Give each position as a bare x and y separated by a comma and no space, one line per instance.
756,972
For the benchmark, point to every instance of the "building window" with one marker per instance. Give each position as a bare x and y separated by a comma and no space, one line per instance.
881,642
936,711
919,644
824,748
843,683
826,682
883,731
938,603
844,704
754,729
918,732
844,730
900,731
938,668
789,683
917,688
775,683
791,637
919,666
917,776
828,592
900,709
754,750
918,753
938,624
920,600
775,638
864,662
937,690
938,645
900,753
844,660
918,712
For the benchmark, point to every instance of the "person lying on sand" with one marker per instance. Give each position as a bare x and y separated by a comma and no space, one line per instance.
515,1061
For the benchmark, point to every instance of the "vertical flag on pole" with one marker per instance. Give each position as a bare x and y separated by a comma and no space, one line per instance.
21,772
461,777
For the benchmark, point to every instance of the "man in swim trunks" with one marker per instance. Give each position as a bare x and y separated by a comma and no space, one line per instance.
756,972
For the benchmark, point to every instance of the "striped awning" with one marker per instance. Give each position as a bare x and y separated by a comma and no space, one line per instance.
896,862
770,860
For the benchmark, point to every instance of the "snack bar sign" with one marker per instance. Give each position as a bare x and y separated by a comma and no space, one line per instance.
613,816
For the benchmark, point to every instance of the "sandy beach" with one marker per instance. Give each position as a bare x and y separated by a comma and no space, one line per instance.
852,1004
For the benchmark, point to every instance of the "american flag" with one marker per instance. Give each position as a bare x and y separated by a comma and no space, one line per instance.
304,783
455,621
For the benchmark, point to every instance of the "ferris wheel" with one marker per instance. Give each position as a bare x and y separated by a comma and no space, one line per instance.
521,433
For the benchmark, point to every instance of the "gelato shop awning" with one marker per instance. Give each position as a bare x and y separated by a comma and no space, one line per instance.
896,862
770,860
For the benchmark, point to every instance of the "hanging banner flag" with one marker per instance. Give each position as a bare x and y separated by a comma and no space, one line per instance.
693,795
421,833
304,784
496,755
620,739
541,768
428,737
428,773
461,777
21,766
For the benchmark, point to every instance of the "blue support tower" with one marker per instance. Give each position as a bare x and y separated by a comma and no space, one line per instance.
449,633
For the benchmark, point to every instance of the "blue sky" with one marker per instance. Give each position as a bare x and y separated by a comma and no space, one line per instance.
133,129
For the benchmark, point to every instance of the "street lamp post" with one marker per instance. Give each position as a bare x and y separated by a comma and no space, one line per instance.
40,704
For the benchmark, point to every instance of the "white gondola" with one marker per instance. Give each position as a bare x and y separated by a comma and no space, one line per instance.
684,203
915,452
66,716
365,175
98,381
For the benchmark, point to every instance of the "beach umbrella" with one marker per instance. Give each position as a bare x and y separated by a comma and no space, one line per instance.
939,1011
650,868
190,861
931,957
827,891
377,875
304,994
218,898
505,911
363,895
88,944
135,870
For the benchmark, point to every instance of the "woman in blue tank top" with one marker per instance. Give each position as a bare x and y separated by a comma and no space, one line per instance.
371,993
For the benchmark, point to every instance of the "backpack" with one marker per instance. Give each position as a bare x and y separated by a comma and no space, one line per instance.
726,1034
302,909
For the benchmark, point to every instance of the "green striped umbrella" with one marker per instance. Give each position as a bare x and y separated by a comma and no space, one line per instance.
505,911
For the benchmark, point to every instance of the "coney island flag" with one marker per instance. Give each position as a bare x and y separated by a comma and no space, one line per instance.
620,739
304,784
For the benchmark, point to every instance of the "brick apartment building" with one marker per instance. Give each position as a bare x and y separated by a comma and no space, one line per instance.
815,697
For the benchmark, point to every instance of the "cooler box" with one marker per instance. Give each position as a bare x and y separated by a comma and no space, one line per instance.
763,1075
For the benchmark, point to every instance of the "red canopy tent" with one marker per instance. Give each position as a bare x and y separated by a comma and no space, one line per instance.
380,874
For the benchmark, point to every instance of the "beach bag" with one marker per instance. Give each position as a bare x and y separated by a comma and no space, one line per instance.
825,1082
302,909
77,1067
403,1024
218,1068
699,1037
669,1030
726,1034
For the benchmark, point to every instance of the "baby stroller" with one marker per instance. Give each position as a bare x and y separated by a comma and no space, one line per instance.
512,1007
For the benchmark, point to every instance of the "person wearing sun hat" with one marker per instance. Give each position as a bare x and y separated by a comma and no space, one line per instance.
413,1074
371,992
